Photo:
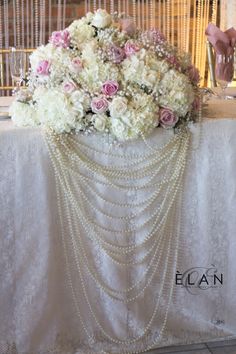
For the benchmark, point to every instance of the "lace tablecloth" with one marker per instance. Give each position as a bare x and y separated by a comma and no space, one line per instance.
36,311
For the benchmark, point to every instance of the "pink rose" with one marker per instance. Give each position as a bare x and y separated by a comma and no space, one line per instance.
128,26
110,88
167,118
193,74
99,105
77,64
131,48
116,54
69,86
60,39
43,67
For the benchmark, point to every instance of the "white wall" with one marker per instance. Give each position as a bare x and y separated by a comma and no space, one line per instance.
228,14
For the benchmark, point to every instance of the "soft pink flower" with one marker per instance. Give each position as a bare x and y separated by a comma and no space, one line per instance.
193,74
43,67
116,54
60,39
69,86
131,48
167,118
128,26
77,64
110,88
99,105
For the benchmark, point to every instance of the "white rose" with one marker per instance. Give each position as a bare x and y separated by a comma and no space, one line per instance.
118,107
89,17
79,99
101,19
100,122
79,110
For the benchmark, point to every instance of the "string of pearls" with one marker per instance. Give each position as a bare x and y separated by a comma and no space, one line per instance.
214,11
83,184
134,10
36,22
110,291
18,21
100,284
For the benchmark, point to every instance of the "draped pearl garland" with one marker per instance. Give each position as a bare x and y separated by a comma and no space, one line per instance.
127,211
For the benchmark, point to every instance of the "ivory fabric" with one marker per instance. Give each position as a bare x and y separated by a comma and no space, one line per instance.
36,310
5,102
217,110
228,14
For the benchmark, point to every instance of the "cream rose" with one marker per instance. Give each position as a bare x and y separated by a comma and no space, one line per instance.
118,107
77,98
100,122
101,19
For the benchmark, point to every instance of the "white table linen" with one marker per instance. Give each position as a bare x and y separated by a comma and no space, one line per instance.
36,311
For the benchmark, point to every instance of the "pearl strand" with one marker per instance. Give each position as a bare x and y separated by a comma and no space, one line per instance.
96,171
70,221
129,289
135,230
114,293
130,248
155,153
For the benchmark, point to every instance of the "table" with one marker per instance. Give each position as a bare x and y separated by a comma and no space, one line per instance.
36,311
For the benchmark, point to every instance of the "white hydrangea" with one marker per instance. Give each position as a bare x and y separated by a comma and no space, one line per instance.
80,102
144,102
23,114
121,130
59,60
80,32
60,66
65,81
94,74
131,119
111,35
55,110
176,92
137,70
89,52
131,126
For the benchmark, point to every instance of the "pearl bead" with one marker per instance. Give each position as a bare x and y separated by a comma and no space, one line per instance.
159,173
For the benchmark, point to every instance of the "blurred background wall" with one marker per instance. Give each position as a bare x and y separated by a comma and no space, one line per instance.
28,23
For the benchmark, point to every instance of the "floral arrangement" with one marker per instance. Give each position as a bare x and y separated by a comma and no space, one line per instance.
103,74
